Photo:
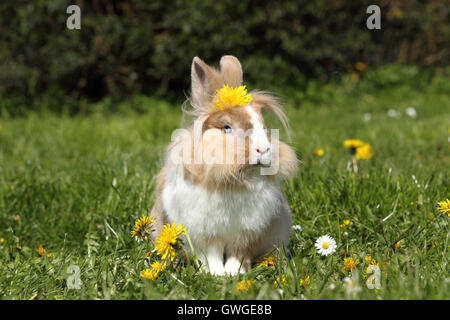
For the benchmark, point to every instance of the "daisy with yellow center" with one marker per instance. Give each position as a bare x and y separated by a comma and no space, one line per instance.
444,207
350,264
325,245
142,228
228,97
167,240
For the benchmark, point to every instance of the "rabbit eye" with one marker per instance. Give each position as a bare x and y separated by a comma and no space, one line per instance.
226,129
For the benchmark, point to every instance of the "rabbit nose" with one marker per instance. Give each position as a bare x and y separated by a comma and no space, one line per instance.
262,150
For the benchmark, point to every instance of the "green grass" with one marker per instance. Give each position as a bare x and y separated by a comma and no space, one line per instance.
75,185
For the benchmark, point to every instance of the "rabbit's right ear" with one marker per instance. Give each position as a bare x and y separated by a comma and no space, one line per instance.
205,82
231,71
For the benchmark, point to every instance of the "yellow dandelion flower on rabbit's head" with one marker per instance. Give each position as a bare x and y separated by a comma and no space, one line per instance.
444,207
167,239
141,229
229,97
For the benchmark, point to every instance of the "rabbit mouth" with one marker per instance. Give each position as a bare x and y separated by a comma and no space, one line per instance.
262,163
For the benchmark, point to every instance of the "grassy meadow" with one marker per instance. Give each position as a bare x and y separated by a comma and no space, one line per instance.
75,186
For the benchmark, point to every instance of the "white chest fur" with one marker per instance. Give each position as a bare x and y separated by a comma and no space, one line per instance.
225,215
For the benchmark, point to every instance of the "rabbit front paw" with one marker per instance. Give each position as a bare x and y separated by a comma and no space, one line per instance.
216,269
233,266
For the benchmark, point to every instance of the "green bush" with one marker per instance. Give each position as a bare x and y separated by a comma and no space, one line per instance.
132,46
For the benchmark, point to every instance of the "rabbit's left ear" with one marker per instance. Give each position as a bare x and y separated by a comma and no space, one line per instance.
231,71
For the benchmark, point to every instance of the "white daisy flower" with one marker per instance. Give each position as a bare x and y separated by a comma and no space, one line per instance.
297,227
351,286
411,112
325,245
393,113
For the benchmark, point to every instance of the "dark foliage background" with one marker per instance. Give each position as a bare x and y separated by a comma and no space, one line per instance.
141,46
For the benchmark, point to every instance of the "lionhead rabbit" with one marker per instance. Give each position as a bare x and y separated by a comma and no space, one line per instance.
213,180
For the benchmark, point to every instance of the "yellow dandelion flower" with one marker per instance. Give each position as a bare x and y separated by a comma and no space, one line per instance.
354,76
158,266
318,152
2,240
40,250
244,285
350,264
154,271
358,148
345,223
266,262
371,261
49,255
395,14
167,240
364,152
280,281
360,66
228,97
353,143
305,282
148,274
149,253
435,244
444,207
142,228
397,245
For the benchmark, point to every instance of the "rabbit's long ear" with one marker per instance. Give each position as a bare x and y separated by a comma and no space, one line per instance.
231,71
205,82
